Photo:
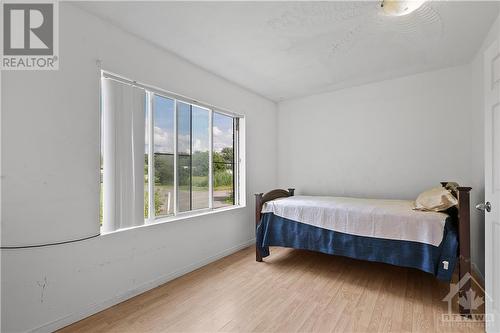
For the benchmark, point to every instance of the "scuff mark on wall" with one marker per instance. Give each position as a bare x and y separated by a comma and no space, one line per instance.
43,285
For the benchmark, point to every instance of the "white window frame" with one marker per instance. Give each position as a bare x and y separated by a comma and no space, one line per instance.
238,152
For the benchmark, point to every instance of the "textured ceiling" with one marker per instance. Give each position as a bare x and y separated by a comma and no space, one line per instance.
283,50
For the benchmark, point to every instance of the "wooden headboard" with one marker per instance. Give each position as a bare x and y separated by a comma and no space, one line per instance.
461,213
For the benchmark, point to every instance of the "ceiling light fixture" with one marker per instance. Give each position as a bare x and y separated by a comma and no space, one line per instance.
400,7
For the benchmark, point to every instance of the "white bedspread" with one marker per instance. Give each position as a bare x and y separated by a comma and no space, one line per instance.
389,219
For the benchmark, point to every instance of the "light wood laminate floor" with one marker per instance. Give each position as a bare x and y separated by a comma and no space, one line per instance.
292,291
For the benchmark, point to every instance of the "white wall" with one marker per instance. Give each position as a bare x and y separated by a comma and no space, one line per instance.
391,139
50,157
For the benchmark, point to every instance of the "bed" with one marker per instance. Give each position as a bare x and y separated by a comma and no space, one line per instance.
387,231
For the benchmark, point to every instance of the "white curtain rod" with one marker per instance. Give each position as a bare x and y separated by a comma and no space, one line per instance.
116,77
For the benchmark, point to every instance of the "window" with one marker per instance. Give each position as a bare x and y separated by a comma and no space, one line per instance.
223,160
163,156
193,139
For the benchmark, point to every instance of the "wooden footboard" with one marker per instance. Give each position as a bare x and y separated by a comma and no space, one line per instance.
260,199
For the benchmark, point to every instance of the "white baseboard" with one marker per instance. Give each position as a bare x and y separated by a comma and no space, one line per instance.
93,309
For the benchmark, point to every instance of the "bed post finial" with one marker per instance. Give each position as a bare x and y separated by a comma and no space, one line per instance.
291,191
258,209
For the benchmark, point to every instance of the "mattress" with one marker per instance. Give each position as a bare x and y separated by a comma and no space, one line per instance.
384,219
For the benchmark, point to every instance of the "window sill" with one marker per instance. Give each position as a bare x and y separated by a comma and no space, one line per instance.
179,217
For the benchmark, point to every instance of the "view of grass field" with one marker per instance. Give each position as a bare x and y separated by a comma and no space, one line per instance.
192,141
193,191
196,195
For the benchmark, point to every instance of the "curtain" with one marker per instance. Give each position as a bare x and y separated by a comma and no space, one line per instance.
123,142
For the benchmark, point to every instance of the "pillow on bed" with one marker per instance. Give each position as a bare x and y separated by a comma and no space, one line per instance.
436,199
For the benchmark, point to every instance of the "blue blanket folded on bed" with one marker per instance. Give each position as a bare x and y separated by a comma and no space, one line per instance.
278,231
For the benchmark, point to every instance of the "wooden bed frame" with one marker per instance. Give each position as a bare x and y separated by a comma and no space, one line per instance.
460,213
